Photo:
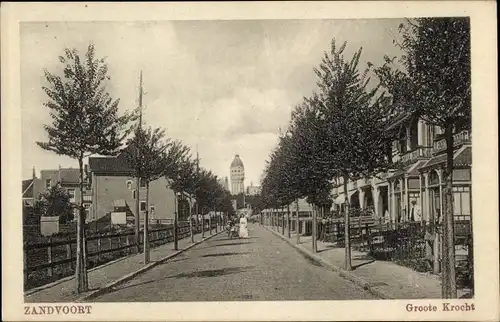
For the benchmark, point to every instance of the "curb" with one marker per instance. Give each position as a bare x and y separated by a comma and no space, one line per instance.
125,278
342,272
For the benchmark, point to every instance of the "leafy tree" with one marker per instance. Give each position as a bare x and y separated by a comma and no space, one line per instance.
434,76
85,121
147,156
182,175
55,202
352,121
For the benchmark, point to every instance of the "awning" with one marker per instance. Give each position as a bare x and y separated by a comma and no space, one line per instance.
462,157
340,199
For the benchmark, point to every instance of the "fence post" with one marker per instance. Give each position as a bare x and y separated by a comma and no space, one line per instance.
360,229
68,253
99,248
127,243
369,235
49,253
381,234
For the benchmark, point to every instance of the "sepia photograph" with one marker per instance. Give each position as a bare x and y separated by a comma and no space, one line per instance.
251,160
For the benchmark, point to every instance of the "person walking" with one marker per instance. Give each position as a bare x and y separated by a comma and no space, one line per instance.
243,227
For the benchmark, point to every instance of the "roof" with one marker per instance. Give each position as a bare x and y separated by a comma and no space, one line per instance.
462,157
64,175
237,162
28,188
110,164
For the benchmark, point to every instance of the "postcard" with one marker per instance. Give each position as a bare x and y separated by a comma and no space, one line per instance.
250,161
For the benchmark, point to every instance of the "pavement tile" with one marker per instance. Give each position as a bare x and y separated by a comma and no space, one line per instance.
399,281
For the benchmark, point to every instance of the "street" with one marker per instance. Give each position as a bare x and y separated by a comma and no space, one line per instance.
259,268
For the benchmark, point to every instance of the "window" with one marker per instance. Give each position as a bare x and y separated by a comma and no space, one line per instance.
47,184
143,183
87,210
129,184
133,194
143,205
71,193
461,203
152,210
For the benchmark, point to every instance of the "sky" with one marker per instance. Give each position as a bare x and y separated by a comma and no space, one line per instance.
221,87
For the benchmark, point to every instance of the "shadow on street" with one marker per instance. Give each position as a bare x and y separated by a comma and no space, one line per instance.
228,244
224,254
207,273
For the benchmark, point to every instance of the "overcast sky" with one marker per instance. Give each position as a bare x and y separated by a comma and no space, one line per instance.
224,86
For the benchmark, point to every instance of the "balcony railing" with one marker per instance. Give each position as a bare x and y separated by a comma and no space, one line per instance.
458,139
417,154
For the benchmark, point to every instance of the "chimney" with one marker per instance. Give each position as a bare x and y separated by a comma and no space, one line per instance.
34,173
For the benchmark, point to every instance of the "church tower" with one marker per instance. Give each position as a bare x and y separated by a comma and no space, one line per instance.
237,174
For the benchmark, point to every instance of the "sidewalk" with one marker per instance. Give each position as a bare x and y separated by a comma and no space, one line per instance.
64,290
383,278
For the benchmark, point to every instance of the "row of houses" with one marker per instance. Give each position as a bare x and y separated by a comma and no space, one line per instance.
414,191
109,186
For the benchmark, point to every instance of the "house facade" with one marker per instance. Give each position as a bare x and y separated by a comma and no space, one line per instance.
66,178
414,190
114,187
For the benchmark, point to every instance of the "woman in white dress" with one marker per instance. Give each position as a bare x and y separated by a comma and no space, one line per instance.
243,227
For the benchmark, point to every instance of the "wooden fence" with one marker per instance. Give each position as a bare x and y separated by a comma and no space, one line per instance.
49,261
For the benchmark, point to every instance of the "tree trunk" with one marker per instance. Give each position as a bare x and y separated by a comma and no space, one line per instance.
146,227
137,215
297,229
282,222
288,221
191,222
81,267
449,217
176,215
347,239
314,231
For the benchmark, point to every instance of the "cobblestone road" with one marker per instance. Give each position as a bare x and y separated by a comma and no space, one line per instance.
262,267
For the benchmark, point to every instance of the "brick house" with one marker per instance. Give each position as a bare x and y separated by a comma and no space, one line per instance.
113,186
